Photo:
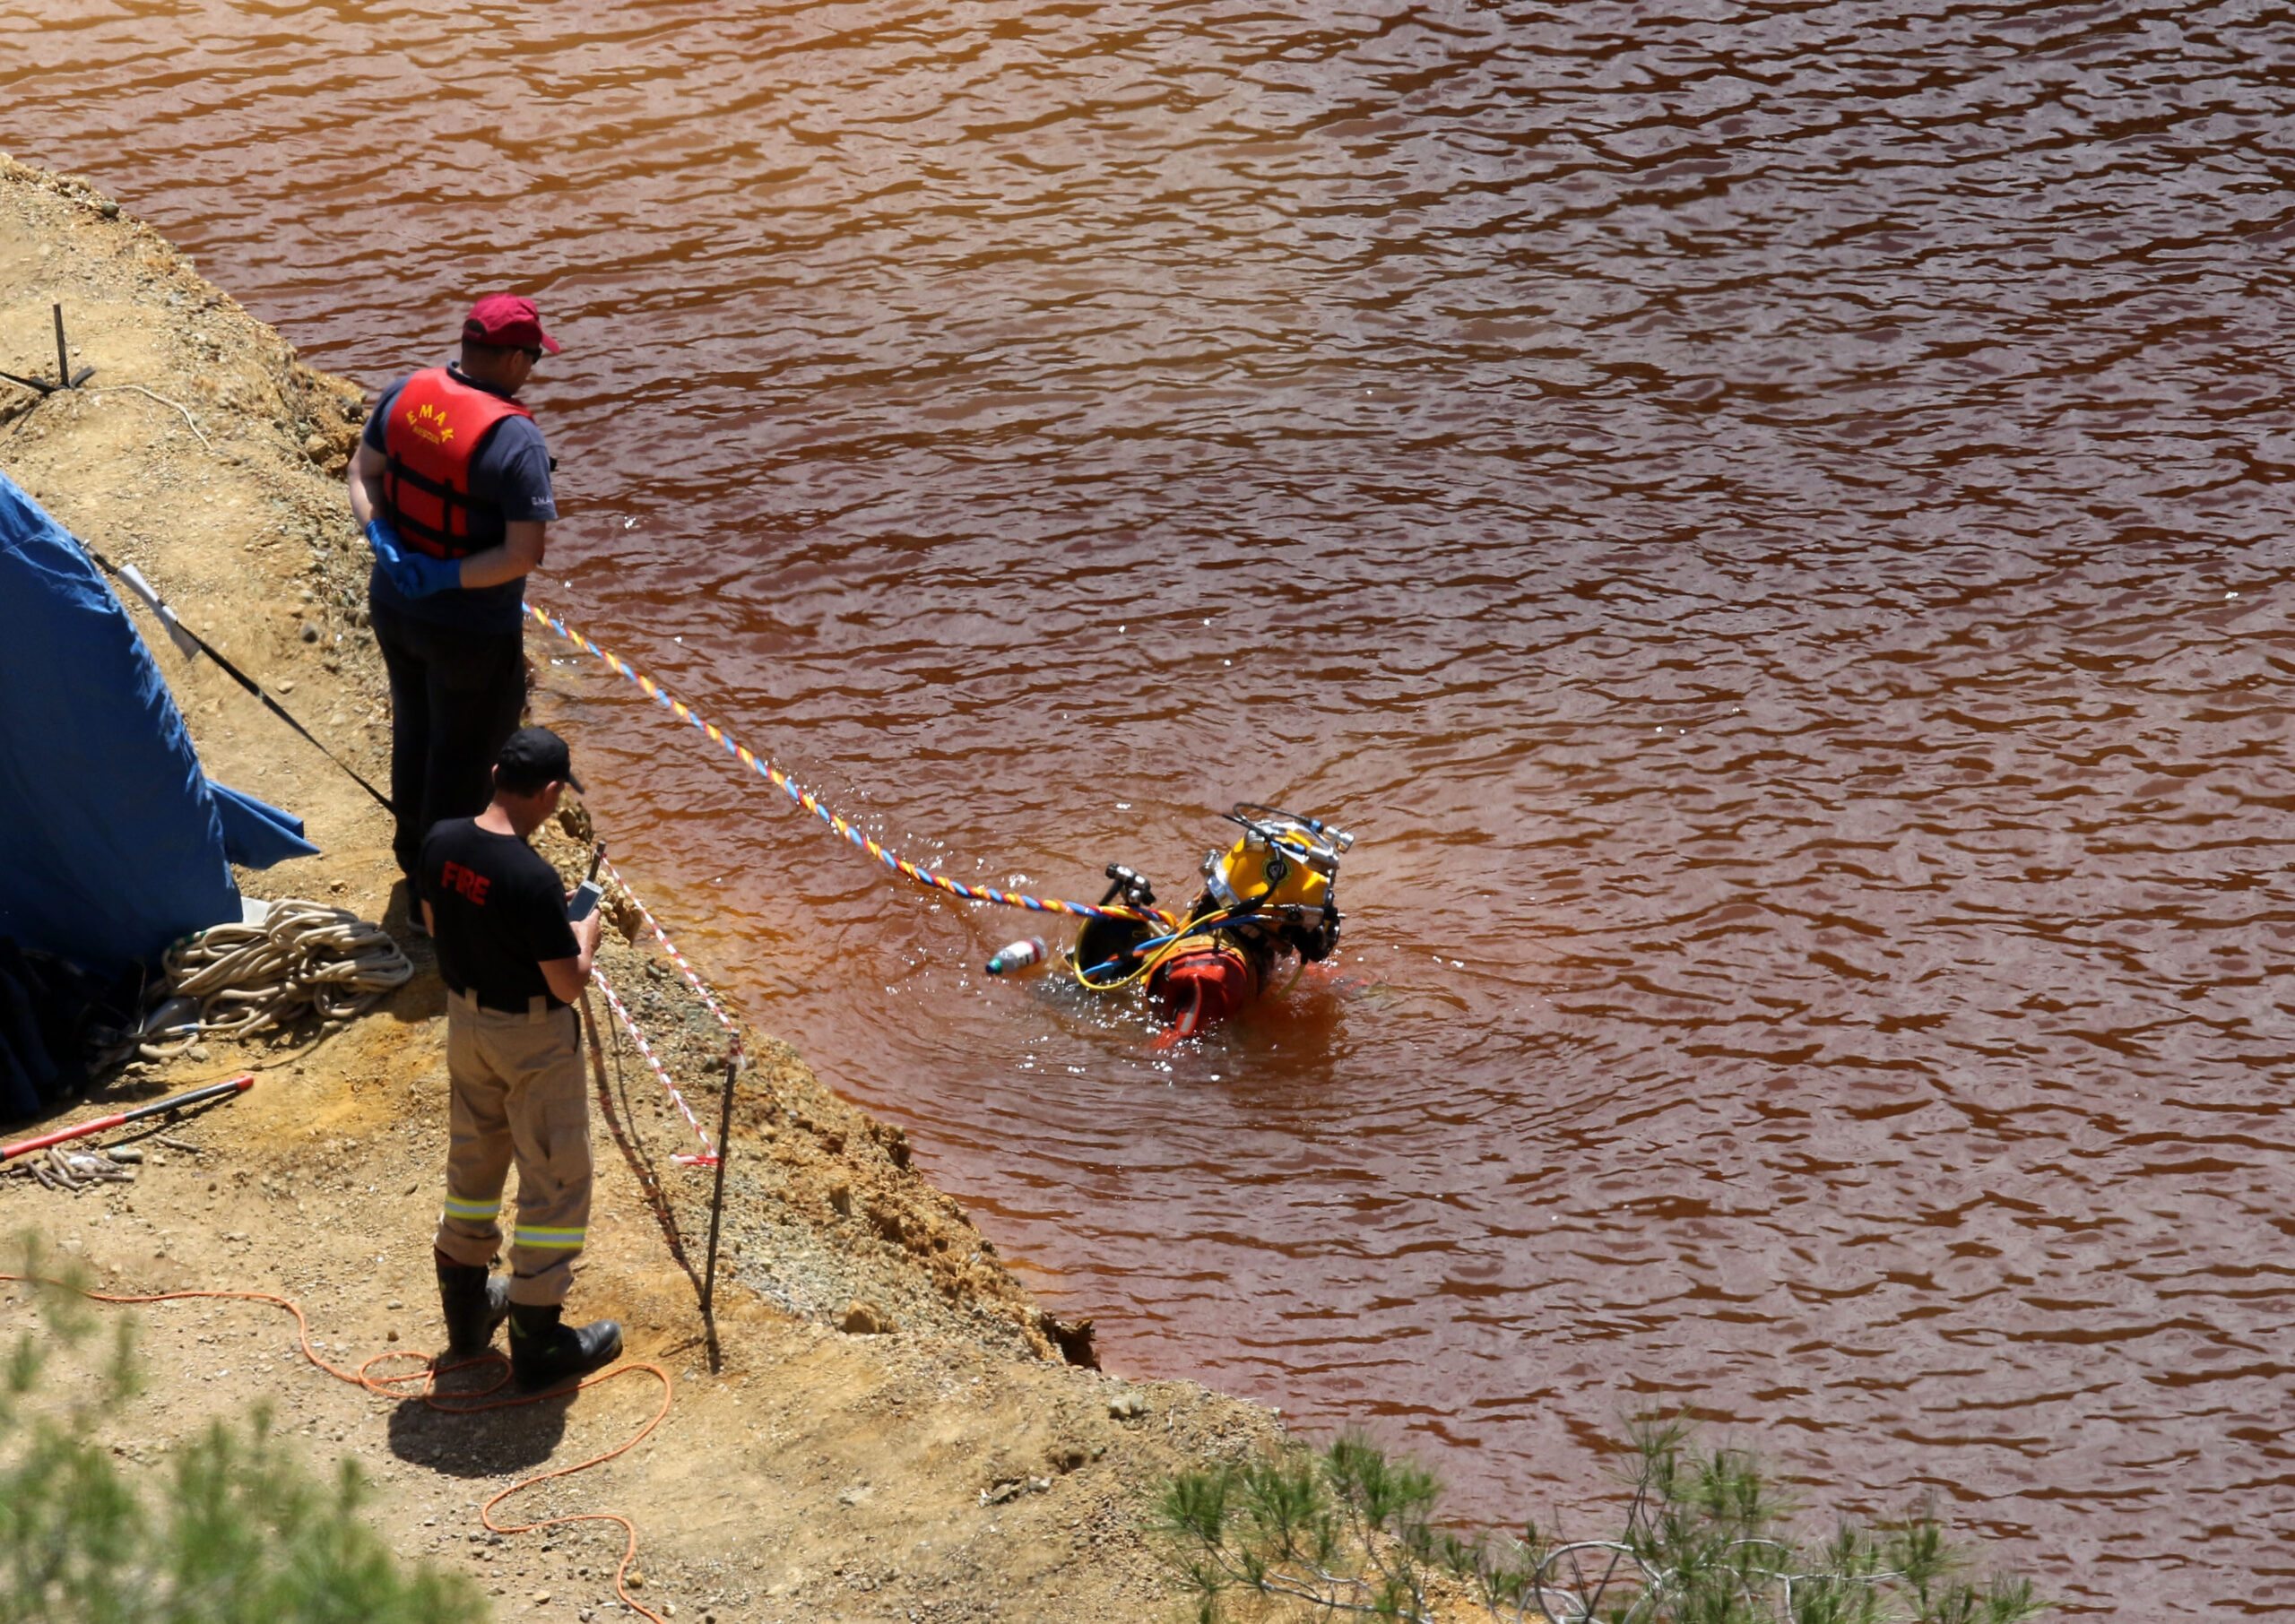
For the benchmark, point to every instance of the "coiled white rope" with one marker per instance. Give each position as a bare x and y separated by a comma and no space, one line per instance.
304,954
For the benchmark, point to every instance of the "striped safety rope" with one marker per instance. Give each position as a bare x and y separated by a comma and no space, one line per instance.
804,798
708,1157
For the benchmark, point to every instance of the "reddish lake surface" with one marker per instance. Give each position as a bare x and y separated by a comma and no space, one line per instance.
1769,521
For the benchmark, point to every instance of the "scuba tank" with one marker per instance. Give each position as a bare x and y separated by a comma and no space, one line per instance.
1271,892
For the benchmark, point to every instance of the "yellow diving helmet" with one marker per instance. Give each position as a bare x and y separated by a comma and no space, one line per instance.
1281,872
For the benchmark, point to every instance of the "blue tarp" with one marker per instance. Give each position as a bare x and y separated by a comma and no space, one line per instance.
256,833
112,842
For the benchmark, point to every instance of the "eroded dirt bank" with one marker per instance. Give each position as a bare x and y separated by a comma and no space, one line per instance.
949,1467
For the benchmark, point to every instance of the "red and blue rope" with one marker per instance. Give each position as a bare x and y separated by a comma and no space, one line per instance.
764,768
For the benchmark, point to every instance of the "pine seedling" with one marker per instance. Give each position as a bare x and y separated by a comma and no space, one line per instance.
238,1531
1353,1533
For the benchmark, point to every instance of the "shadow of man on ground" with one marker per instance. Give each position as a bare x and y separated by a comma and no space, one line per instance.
467,1430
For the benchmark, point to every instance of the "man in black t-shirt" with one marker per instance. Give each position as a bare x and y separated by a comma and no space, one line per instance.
512,967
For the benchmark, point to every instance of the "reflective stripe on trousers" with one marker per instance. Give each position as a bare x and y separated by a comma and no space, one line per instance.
517,1097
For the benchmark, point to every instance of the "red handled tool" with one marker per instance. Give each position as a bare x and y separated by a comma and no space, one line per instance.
197,1096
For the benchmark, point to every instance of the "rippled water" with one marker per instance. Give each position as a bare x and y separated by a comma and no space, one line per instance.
1769,522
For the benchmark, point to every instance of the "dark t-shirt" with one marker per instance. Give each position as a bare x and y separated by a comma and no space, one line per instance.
510,472
498,912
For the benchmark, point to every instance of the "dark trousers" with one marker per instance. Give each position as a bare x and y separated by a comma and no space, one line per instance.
455,696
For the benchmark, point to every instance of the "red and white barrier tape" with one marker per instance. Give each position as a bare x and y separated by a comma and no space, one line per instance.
708,1157
670,948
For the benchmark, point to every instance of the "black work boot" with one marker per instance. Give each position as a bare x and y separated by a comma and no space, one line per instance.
475,1303
544,1352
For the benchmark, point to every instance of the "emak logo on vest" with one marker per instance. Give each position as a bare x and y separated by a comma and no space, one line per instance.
431,422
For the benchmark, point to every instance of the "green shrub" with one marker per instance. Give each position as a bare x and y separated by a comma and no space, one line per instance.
236,1533
1347,1532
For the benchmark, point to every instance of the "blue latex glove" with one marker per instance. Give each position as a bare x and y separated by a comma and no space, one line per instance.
415,574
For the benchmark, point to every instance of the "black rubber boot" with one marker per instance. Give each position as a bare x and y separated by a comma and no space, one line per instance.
544,1352
475,1303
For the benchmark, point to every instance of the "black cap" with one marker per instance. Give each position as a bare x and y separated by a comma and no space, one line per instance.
533,758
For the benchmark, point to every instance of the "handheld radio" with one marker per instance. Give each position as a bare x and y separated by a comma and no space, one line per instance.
586,894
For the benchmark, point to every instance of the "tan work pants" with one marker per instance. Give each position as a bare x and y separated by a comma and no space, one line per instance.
517,1094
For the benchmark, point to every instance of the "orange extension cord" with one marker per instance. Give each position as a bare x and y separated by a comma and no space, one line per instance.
389,1386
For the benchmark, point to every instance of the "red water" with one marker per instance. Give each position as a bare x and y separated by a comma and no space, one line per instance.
1769,521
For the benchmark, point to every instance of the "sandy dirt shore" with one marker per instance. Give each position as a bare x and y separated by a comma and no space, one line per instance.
947,1463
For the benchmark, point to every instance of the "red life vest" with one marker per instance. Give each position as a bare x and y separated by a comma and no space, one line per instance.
436,425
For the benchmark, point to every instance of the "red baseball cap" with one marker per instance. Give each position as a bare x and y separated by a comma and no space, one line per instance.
509,321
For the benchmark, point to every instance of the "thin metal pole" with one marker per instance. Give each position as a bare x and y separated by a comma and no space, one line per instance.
63,356
717,1209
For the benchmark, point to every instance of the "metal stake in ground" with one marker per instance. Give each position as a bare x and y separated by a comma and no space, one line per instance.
64,375
63,378
717,1209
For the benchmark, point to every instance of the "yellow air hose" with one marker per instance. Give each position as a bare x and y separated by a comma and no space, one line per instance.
1147,966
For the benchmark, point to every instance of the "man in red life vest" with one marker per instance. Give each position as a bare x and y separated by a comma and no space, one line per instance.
451,485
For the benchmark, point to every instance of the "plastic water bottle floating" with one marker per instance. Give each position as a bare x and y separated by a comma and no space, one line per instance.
1022,957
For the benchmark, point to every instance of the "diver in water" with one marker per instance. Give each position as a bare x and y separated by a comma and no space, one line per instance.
1273,893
